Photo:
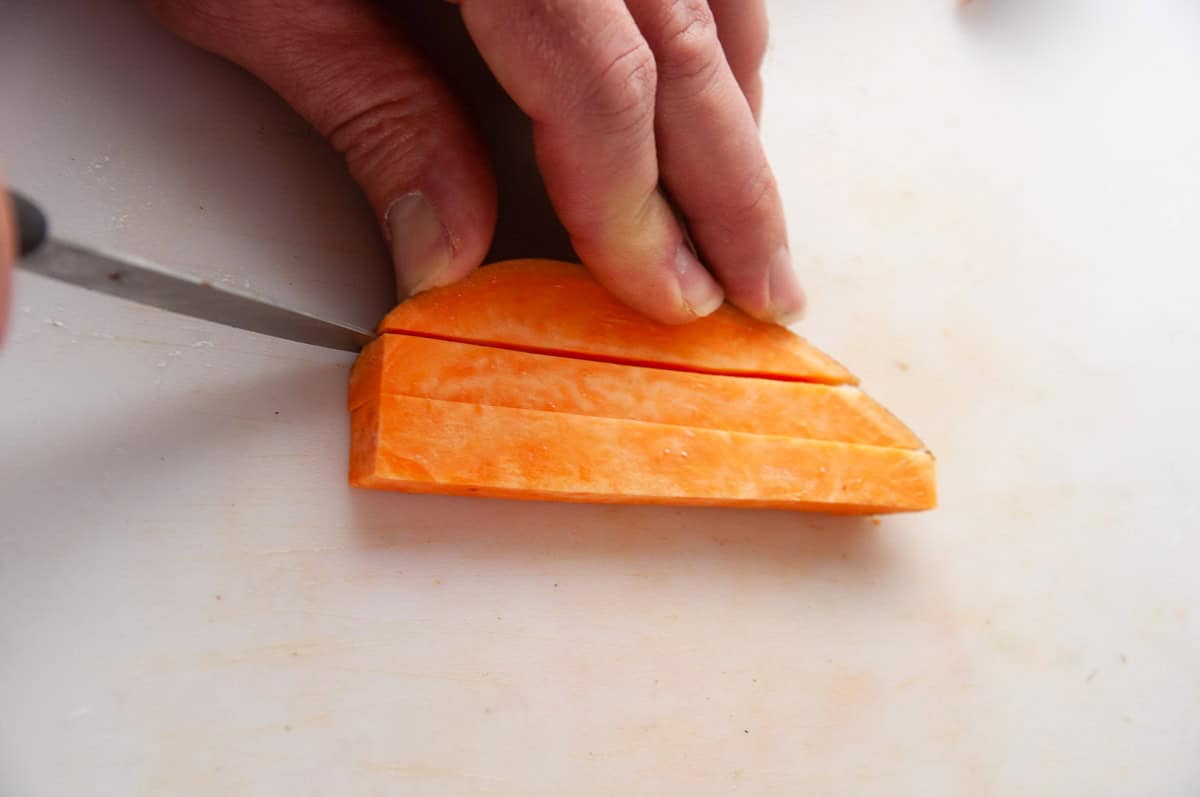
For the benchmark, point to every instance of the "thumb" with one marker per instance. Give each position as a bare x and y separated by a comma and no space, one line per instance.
350,73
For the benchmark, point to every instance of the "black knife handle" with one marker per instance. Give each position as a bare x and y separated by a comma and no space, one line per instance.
31,223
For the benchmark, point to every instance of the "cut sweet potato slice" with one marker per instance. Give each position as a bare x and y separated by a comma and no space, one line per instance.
425,445
528,380
557,308
446,370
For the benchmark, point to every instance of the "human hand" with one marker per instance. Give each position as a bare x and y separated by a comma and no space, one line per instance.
626,97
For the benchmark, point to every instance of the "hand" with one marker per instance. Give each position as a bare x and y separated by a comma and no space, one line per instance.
625,96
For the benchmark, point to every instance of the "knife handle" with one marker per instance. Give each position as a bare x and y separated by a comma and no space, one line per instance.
31,223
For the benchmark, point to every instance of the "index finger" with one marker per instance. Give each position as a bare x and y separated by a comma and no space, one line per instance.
585,75
713,161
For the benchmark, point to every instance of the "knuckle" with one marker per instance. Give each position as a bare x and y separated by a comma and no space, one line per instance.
622,93
688,48
386,138
750,204
760,188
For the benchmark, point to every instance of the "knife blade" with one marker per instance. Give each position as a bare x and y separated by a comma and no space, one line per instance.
148,283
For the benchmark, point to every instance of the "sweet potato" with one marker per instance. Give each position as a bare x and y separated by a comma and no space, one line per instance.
426,445
528,380
557,308
438,369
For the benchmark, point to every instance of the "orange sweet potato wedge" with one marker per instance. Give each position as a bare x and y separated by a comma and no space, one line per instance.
450,371
557,308
450,447
528,380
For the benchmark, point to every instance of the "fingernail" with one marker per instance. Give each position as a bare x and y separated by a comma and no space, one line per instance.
420,244
786,296
699,290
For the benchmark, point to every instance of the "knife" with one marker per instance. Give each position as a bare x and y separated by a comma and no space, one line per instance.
151,284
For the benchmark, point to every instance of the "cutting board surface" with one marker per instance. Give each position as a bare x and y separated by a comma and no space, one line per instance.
996,215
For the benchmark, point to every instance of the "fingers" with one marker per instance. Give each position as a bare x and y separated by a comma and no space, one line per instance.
742,29
713,162
405,140
586,77
620,98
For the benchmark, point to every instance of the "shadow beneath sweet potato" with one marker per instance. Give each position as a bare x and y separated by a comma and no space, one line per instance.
525,534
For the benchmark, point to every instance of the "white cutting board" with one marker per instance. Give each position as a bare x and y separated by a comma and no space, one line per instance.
998,215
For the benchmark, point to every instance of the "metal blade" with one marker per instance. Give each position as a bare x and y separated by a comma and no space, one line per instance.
145,282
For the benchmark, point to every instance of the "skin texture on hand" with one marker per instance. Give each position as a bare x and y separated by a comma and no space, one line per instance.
630,102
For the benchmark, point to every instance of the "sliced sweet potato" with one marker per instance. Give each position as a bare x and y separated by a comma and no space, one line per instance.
557,308
437,369
528,380
425,445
